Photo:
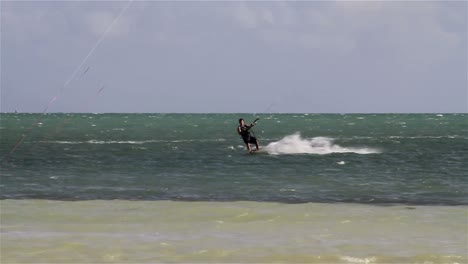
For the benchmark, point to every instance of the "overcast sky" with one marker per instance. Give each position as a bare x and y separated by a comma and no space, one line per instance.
278,56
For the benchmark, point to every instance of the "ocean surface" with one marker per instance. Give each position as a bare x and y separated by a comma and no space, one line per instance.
151,188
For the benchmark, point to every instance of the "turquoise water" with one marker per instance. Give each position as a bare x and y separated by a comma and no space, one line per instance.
418,159
181,188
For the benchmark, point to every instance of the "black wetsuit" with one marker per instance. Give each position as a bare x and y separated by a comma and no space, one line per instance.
245,134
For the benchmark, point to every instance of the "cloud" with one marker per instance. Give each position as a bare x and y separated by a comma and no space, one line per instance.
214,51
410,30
98,22
23,24
252,17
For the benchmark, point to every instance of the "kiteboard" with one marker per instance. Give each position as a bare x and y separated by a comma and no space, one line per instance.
256,151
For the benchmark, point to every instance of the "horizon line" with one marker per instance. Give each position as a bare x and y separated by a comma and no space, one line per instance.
249,113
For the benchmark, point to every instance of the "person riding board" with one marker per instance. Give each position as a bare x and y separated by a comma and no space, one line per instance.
243,131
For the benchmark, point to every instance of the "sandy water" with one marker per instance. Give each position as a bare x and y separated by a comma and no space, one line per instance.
42,231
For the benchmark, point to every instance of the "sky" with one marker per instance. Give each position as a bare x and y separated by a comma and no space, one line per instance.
234,56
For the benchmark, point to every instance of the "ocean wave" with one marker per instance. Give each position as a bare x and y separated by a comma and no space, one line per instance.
427,137
94,141
138,142
295,144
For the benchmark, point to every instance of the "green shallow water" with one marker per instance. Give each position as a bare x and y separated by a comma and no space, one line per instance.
44,231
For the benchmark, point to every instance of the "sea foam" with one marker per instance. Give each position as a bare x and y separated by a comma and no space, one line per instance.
295,144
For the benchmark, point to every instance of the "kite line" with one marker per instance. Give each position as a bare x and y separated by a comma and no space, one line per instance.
20,141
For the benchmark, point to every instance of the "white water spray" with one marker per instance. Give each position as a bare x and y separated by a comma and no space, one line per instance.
295,144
